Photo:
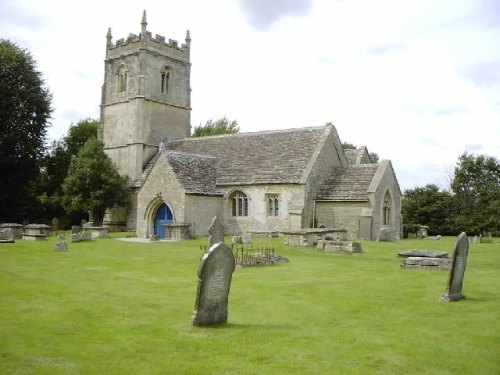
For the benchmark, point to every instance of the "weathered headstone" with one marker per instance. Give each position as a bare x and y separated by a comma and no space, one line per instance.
83,222
7,235
386,234
214,281
61,244
457,270
246,238
237,240
216,231
55,225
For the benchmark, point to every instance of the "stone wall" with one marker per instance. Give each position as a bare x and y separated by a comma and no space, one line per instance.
385,181
341,215
200,210
291,199
328,155
160,187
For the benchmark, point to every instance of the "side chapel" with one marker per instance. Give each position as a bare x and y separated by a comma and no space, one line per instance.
277,180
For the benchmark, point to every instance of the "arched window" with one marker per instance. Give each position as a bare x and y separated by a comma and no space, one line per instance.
122,79
386,218
165,80
272,204
239,204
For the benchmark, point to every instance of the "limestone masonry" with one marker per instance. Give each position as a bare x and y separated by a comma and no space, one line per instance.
264,181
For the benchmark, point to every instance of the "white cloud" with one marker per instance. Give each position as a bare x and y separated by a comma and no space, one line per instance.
416,82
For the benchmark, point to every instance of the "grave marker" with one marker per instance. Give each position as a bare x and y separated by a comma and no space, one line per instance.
216,231
457,270
214,281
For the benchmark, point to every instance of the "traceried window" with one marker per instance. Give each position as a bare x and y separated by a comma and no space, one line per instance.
122,79
386,219
272,201
165,80
239,204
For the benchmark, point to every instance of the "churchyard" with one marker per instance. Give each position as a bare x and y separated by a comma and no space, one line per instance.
114,307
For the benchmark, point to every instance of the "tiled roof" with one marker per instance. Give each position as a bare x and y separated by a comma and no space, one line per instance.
268,157
349,183
196,173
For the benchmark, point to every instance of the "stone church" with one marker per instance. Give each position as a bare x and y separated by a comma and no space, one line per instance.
278,180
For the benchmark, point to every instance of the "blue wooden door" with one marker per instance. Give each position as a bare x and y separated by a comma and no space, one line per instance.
163,216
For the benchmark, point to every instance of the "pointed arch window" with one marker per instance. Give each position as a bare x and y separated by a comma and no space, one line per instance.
272,204
239,204
165,80
386,218
122,79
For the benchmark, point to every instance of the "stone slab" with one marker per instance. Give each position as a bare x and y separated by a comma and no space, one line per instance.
423,253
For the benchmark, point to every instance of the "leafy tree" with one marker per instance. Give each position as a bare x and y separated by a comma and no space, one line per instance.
476,188
93,183
427,206
79,134
25,109
221,126
55,165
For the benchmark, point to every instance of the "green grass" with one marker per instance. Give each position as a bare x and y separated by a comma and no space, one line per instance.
113,307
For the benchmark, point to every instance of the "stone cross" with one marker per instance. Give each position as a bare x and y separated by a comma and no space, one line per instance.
457,270
214,281
217,232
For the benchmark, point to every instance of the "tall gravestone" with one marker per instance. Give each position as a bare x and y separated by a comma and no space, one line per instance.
457,270
214,281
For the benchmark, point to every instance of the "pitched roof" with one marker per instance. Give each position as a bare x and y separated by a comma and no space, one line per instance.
196,173
357,155
349,184
268,157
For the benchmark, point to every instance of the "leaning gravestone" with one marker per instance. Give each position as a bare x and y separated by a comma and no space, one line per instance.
457,270
214,281
216,231
7,235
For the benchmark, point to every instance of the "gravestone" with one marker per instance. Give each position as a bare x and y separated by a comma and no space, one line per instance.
83,222
457,270
61,244
246,238
7,235
214,281
55,225
237,240
216,231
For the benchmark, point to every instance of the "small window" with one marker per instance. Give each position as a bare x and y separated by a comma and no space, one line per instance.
272,204
239,204
165,80
122,79
386,218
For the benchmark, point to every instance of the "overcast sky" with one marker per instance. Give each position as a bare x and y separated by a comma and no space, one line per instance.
417,82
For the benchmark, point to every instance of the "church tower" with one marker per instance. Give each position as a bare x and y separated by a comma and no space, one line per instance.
146,97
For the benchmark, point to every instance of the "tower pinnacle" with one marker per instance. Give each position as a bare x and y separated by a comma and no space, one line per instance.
144,23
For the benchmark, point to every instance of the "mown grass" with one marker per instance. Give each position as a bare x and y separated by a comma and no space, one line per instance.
113,307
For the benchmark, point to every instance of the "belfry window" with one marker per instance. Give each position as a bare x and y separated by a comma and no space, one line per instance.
122,79
272,204
386,218
165,81
239,204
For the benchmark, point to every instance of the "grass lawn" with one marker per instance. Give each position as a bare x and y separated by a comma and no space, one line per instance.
114,307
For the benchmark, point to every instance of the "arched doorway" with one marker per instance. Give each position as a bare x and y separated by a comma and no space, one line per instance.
163,216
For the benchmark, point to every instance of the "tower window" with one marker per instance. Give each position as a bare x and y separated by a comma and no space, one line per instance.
122,79
239,204
272,204
165,80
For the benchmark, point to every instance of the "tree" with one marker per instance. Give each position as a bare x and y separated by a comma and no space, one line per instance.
221,126
55,165
93,183
25,109
427,206
476,188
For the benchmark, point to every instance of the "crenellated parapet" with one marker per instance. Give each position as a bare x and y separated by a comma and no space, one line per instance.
145,40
